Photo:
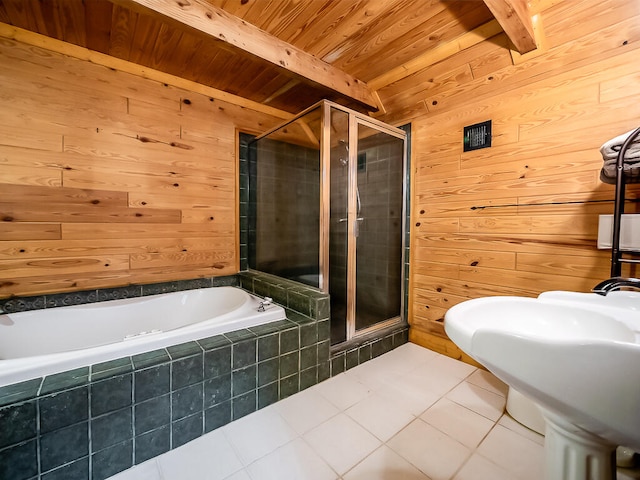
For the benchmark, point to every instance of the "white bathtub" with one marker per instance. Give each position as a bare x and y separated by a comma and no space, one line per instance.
43,342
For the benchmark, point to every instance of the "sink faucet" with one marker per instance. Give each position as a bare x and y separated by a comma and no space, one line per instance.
616,283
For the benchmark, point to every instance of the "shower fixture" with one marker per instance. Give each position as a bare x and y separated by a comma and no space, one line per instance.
344,161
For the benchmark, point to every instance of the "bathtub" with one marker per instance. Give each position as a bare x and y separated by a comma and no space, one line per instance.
43,342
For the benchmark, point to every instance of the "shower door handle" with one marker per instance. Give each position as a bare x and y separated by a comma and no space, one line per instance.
356,226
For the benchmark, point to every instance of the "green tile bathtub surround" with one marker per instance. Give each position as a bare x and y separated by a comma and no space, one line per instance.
23,421
324,330
308,334
111,368
64,380
186,429
308,357
152,382
244,353
151,444
324,371
184,350
289,363
272,327
217,362
171,395
239,335
268,371
299,302
289,386
112,460
19,462
63,446
267,395
187,371
63,409
298,318
112,428
217,390
111,394
268,346
187,401
261,288
324,351
243,405
217,416
244,380
152,414
150,359
338,364
19,391
308,377
77,470
289,340
216,341
278,293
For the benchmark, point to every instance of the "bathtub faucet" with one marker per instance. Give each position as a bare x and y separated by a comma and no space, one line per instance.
616,283
264,303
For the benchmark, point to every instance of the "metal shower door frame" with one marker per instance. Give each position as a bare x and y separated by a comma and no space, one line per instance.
355,120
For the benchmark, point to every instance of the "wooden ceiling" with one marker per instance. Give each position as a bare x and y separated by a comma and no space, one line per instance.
285,54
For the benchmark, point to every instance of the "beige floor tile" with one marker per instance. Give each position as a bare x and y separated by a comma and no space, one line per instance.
479,468
380,415
341,442
484,402
306,410
384,464
293,461
434,453
460,423
522,457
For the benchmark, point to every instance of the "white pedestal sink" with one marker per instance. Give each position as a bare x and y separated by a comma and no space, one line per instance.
579,362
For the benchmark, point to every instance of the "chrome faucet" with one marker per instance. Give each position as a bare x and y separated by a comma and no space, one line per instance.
616,283
265,303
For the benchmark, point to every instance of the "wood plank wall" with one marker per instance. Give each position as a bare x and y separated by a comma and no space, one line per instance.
108,179
520,217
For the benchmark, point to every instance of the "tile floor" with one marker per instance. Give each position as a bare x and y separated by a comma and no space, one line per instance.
410,414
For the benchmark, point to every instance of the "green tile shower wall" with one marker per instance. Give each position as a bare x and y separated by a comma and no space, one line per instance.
246,202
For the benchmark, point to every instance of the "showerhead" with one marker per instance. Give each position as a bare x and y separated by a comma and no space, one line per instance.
343,143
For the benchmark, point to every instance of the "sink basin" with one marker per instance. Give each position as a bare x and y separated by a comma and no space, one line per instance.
576,356
623,305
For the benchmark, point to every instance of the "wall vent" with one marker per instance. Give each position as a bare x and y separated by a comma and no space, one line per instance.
477,136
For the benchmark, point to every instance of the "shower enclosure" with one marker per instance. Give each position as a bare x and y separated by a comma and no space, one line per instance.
327,196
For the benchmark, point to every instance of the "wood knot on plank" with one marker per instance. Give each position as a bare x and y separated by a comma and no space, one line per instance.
8,218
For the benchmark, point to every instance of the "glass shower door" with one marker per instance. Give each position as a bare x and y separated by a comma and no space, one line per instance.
378,228
366,228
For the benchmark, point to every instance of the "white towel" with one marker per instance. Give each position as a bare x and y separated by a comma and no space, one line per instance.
610,149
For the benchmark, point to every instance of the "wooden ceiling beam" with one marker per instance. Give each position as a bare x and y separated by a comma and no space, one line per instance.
515,19
214,23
